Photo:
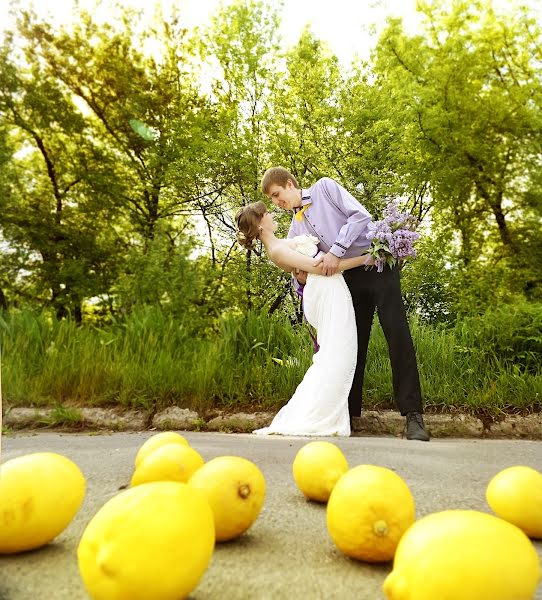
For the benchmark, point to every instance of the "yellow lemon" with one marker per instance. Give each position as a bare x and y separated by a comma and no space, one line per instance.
515,494
316,469
40,494
156,441
152,541
463,554
172,462
368,511
235,489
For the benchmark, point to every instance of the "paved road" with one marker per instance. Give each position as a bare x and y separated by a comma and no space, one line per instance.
287,553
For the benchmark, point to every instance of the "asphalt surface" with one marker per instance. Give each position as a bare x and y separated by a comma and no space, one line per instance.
287,553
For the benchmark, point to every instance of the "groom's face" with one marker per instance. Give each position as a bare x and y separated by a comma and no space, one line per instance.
287,198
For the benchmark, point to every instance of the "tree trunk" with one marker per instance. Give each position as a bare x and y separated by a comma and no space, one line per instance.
249,269
3,300
280,298
501,222
78,313
58,300
465,246
498,213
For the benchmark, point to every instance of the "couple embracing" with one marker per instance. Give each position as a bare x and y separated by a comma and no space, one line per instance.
325,252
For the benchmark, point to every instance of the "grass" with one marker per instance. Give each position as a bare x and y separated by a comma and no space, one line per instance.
67,416
149,360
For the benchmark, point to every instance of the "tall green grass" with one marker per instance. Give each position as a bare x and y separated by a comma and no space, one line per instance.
252,361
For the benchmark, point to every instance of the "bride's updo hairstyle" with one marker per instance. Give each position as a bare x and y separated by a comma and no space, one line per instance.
248,223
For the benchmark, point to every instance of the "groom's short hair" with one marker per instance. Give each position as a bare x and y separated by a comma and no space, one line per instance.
277,176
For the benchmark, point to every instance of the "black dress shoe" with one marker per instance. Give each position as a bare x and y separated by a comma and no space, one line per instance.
415,427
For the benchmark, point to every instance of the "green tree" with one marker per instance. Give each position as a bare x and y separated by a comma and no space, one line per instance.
118,130
471,88
45,215
306,113
240,47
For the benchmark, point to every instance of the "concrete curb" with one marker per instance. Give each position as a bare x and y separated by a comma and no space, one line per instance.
385,422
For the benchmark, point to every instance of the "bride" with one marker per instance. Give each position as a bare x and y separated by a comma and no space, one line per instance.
319,405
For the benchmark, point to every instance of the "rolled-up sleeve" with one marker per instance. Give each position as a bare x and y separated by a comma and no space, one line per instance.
357,217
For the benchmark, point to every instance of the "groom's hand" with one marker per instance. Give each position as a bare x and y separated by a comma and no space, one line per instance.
330,263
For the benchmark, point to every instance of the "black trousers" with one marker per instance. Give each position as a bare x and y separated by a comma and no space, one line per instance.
371,290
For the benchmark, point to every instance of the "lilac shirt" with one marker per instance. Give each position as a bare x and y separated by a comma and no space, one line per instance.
335,217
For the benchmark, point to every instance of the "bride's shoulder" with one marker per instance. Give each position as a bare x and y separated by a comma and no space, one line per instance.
281,243
278,248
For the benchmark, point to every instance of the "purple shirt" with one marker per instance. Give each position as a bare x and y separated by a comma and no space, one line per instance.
335,217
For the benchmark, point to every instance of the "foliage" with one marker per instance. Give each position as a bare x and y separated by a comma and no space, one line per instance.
98,190
472,106
510,335
447,119
151,359
125,151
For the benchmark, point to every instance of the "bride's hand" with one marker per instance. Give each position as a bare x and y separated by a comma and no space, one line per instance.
330,263
300,275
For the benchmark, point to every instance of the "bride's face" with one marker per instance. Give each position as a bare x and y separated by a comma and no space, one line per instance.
268,222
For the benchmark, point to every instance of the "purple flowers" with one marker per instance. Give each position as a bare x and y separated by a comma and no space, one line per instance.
393,237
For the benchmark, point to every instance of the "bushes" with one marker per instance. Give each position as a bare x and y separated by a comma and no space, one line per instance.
509,336
254,361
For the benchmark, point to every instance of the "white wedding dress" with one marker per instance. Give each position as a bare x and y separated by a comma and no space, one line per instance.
319,406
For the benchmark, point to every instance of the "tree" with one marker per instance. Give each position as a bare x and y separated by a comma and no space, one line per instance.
46,216
114,127
241,48
471,86
306,112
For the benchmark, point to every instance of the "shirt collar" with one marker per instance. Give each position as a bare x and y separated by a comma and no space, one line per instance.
305,199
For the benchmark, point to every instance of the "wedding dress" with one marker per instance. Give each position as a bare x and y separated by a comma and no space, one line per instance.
319,406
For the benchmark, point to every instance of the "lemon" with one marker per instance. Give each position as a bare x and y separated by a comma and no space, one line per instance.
463,554
515,495
154,442
152,541
40,494
172,462
316,469
368,511
235,489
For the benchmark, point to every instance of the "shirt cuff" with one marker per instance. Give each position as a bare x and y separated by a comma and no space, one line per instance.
337,250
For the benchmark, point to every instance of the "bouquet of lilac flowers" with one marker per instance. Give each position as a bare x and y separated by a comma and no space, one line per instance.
393,237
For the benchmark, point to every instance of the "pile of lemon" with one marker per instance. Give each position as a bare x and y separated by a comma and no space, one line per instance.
153,540
453,554
156,539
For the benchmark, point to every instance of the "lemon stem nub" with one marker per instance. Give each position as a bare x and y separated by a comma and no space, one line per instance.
244,491
380,528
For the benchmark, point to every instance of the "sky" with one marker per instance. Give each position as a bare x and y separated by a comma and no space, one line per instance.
344,24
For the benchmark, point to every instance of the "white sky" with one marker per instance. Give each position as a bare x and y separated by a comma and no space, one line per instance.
344,24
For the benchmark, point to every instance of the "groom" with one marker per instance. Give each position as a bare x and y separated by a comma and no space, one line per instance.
340,222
